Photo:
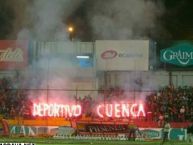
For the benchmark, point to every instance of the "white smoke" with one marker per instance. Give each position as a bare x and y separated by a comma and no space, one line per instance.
24,34
125,19
51,69
47,19
109,19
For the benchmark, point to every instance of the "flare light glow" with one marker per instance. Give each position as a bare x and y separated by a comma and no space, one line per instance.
56,110
120,110
116,110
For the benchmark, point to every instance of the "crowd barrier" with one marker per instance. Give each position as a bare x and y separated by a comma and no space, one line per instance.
61,132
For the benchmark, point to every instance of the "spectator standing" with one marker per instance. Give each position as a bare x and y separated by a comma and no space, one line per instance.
161,120
132,130
166,130
190,133
182,114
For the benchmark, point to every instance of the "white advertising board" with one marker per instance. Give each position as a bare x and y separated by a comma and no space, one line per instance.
124,55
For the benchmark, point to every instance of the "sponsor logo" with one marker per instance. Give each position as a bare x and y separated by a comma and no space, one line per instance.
11,55
181,55
109,54
150,133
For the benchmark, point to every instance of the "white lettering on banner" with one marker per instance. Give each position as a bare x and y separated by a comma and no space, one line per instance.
181,56
99,107
36,130
22,130
11,55
117,110
120,110
56,110
13,130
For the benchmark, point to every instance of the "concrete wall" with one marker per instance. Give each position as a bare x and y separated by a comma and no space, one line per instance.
178,78
144,80
90,78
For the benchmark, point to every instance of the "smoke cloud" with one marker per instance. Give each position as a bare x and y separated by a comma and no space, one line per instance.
109,19
51,71
47,18
125,19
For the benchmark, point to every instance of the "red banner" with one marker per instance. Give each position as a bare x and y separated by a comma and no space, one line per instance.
102,127
13,54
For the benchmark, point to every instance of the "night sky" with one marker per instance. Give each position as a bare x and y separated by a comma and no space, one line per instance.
176,20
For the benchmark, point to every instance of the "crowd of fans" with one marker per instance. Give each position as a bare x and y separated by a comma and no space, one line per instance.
175,104
13,101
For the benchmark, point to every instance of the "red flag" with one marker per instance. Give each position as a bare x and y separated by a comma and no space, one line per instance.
5,126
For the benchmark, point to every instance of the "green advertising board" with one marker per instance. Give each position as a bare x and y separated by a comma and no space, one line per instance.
175,133
180,54
148,133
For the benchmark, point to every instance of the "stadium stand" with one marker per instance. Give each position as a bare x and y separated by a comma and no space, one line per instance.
175,104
